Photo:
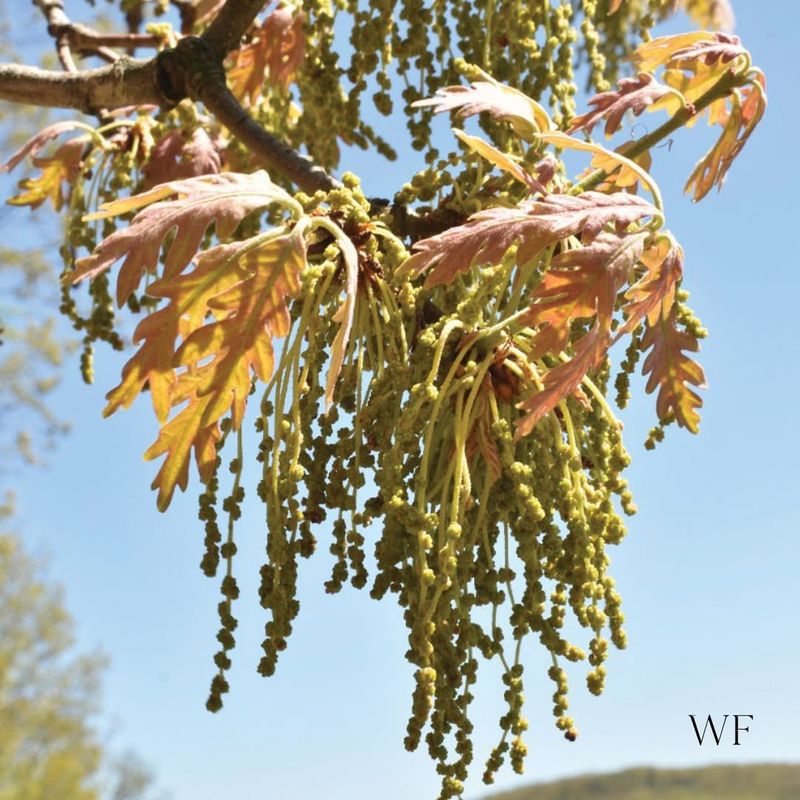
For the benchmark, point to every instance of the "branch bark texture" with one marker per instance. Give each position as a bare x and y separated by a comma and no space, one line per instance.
192,69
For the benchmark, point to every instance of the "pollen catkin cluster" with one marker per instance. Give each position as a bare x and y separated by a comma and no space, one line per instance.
410,472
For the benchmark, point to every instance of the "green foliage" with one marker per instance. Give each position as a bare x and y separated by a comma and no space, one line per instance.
50,746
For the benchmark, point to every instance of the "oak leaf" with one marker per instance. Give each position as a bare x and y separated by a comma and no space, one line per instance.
526,116
533,225
243,287
224,199
653,295
636,95
684,49
174,158
746,107
672,372
719,48
276,53
582,283
37,142
565,379
61,168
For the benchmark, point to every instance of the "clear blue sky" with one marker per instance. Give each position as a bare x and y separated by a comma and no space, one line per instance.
708,573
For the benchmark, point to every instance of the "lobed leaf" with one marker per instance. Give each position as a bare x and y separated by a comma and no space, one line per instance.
629,170
526,116
277,53
653,295
747,106
174,158
61,168
37,142
224,199
244,287
672,372
565,379
714,49
719,48
582,283
533,225
636,95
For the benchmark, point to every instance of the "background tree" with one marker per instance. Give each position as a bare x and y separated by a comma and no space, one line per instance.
50,745
452,344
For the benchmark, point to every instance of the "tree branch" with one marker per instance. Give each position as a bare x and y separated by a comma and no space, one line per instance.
226,30
193,69
190,70
127,82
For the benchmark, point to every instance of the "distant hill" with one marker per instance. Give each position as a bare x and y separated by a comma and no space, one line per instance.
751,782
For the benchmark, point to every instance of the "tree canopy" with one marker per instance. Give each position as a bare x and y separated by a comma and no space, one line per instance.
51,744
432,373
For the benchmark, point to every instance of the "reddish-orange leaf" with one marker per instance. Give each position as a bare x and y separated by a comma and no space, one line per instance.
176,440
672,372
533,225
37,142
634,95
244,287
174,158
565,379
653,295
225,199
747,106
618,174
582,282
56,170
276,52
249,314
216,271
502,102
718,48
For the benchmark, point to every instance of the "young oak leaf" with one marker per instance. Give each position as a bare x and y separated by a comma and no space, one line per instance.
653,295
719,48
277,52
670,370
224,199
257,276
619,175
636,95
216,270
500,160
526,116
747,106
59,169
182,434
680,50
534,225
37,142
581,283
626,171
249,315
565,379
174,158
